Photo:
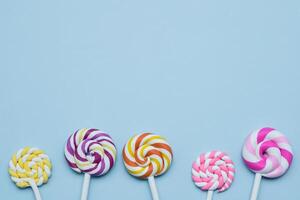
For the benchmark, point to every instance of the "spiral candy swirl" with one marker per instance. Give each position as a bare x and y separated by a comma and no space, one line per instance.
213,171
90,151
147,155
29,164
267,152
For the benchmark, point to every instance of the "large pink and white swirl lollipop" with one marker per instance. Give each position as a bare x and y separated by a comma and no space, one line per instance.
268,153
213,171
91,152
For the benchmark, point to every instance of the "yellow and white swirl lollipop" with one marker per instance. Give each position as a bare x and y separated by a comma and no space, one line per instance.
30,167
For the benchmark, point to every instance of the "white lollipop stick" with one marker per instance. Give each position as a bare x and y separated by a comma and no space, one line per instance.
34,188
153,188
209,195
85,186
255,187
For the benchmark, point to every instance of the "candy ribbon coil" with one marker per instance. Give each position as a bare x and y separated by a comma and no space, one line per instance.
30,165
90,151
147,155
213,171
267,151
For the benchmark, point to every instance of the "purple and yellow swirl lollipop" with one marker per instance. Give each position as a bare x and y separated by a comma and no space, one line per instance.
91,152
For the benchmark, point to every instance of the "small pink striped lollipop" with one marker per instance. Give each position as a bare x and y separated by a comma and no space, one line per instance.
213,171
268,153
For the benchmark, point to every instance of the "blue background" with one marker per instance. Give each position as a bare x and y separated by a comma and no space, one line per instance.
202,73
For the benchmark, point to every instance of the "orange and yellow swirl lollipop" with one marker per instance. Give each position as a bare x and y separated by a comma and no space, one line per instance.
147,155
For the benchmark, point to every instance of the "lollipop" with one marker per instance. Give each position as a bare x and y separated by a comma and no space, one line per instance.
213,171
147,155
30,167
268,153
91,152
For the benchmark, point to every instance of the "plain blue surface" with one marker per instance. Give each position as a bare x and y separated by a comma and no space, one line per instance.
202,73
